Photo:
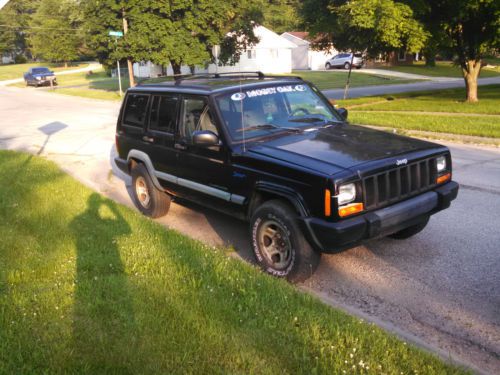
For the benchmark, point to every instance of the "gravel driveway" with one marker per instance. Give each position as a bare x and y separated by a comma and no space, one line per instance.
442,286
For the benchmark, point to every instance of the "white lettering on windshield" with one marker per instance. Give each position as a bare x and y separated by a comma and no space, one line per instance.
274,90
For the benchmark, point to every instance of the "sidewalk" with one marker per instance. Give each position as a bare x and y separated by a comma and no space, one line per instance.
450,83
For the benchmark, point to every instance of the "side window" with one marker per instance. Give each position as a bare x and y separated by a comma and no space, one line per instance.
164,113
135,110
195,116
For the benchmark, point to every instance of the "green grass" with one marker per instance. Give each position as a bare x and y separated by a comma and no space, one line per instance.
442,69
442,111
90,286
449,100
97,85
337,79
12,71
476,126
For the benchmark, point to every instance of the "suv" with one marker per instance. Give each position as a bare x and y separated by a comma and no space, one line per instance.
343,60
275,152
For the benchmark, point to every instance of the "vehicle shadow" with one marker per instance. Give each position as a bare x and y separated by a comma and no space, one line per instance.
103,313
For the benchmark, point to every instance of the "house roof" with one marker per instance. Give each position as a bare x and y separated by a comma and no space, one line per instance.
269,39
299,34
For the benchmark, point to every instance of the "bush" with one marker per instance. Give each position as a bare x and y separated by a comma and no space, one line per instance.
20,59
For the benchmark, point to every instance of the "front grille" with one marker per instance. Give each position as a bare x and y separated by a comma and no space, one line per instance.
400,183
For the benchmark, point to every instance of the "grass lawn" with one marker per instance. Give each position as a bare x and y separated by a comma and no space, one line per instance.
442,69
437,111
90,286
12,71
97,85
325,80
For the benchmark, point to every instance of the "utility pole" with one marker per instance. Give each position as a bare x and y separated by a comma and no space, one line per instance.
117,34
129,62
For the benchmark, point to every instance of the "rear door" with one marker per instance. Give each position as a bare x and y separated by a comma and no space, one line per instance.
160,133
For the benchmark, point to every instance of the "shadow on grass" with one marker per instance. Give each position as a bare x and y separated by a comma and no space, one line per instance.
104,322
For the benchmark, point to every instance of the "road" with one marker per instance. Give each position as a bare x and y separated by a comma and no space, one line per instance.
442,286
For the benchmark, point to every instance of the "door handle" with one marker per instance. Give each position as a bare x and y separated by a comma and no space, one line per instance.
148,139
179,146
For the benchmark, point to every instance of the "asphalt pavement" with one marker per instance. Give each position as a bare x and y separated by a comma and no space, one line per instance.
441,286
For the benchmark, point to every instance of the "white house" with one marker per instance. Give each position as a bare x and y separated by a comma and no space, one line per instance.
272,55
304,57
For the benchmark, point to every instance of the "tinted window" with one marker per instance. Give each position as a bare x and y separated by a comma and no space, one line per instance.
135,111
40,70
164,113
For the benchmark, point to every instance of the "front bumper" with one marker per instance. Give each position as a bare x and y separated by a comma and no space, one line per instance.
334,236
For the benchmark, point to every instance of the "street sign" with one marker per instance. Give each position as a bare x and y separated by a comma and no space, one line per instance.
118,34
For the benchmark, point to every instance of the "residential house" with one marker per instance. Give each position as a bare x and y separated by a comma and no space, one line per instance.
304,57
272,55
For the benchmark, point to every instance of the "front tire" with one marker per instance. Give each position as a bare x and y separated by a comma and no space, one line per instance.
148,199
328,66
410,231
278,243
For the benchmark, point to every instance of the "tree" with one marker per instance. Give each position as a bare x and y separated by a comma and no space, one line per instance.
169,32
373,26
468,27
55,34
14,20
280,15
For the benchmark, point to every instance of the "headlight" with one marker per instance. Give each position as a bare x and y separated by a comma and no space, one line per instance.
441,164
38,78
347,193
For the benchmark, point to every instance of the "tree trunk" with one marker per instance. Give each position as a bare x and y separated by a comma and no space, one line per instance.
471,70
176,67
430,59
65,64
129,60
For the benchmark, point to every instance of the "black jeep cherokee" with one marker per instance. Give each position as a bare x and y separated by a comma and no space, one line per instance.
275,152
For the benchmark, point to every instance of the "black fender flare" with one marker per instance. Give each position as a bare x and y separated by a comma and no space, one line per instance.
289,194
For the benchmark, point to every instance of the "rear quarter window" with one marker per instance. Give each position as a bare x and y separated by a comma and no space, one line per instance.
135,109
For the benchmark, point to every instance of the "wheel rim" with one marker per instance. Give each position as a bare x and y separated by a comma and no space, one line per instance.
275,245
142,192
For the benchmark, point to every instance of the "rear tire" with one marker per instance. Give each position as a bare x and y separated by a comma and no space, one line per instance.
148,198
347,66
278,243
410,231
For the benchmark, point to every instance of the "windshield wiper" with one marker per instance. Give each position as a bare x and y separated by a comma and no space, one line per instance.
269,127
308,119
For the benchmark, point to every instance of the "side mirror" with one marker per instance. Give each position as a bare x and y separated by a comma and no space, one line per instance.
205,138
343,112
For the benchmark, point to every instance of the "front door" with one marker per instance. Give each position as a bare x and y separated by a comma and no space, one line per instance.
204,171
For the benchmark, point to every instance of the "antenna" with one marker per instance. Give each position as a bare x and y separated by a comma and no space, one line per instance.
241,108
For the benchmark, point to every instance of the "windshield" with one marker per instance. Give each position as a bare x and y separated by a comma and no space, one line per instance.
257,112
40,70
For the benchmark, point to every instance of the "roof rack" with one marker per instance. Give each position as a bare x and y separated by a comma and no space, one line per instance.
178,79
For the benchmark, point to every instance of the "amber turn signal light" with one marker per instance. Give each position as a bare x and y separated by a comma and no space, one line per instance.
443,178
328,202
350,209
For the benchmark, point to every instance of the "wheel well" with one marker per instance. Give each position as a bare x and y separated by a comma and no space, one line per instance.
259,197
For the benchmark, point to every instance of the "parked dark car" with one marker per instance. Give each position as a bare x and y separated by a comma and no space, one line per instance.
344,60
39,76
273,151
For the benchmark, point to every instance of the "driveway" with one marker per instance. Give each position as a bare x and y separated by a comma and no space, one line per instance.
442,286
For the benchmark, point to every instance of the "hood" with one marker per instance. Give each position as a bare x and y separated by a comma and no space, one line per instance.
332,149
